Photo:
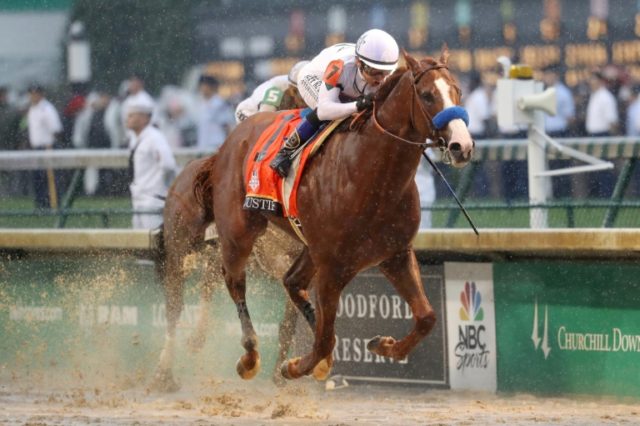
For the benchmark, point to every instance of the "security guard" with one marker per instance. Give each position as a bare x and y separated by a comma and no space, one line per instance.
152,162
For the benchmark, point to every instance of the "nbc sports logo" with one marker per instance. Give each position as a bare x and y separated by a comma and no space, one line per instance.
471,300
471,326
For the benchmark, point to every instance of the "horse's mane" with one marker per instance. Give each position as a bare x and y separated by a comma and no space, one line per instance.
382,94
387,86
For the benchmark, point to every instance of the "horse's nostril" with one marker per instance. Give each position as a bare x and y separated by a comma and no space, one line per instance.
455,146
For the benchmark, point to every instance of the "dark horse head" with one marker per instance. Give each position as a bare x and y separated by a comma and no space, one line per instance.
434,107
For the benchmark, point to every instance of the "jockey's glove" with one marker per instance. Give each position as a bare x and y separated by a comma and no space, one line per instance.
364,102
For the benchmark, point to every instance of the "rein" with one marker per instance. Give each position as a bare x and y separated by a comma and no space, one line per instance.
441,143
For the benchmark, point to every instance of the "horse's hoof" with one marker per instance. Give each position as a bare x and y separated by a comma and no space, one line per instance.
381,345
321,370
163,382
248,372
374,343
284,368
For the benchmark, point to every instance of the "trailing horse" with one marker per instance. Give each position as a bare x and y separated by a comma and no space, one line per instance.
358,207
183,235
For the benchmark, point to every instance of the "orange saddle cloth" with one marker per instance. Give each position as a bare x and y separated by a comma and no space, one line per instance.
266,190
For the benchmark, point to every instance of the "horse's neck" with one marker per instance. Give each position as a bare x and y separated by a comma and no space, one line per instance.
394,115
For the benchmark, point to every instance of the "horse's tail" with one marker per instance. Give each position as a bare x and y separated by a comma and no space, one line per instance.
203,187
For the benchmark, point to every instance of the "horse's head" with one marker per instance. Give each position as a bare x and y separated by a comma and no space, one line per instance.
438,97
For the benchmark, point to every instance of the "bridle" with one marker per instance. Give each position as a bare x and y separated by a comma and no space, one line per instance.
441,143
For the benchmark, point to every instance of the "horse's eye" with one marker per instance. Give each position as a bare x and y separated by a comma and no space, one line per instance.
428,96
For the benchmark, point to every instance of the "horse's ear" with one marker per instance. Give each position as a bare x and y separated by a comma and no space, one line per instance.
444,54
412,64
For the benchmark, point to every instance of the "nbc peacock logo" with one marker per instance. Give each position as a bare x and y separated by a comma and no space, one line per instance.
471,300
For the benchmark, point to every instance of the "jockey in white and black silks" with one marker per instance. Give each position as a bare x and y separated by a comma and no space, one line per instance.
268,96
338,82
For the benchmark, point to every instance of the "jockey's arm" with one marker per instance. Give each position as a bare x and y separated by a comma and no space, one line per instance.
330,107
271,100
266,107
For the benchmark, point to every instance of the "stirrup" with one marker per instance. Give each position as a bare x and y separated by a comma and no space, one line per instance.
292,142
282,163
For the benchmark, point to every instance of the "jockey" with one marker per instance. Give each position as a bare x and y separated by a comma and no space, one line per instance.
268,95
340,81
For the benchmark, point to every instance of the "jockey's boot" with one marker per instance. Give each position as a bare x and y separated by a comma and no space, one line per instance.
300,136
282,163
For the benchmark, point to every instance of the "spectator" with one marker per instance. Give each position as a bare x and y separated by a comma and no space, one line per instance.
515,181
151,162
601,120
478,106
558,126
216,116
44,126
113,122
96,180
175,118
602,109
633,115
9,121
72,110
136,90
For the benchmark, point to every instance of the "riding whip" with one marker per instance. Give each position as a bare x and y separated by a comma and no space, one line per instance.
424,154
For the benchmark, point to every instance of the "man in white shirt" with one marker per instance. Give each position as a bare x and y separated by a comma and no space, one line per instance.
136,90
44,126
478,106
633,115
216,116
557,126
153,164
602,109
601,120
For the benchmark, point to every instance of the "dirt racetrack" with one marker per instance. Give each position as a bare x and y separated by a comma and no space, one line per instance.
233,402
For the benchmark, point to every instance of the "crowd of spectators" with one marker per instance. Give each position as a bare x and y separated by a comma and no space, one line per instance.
605,105
95,118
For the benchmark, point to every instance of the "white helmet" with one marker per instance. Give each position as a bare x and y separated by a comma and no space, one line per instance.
378,49
295,70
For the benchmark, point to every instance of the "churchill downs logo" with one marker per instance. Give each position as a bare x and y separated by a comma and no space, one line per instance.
471,351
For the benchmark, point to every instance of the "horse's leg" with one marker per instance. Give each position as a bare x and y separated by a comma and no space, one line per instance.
286,331
163,380
297,280
199,335
330,282
235,253
403,272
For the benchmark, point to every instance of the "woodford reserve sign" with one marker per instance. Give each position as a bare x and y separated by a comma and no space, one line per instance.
370,306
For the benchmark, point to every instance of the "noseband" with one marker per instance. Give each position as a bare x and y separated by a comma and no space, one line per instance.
443,116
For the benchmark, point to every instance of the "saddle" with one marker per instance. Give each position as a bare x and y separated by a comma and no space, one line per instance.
265,190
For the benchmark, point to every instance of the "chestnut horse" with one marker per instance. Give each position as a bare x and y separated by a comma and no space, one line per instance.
358,206
183,233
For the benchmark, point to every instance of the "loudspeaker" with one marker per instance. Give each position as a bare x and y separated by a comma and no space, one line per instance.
545,101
